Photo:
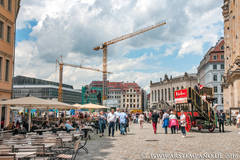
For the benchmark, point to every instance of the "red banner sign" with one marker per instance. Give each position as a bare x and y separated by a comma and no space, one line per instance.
183,93
181,96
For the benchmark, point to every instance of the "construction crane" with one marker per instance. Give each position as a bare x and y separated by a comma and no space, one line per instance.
61,64
106,44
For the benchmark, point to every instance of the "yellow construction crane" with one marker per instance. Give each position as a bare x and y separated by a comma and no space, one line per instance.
106,44
61,64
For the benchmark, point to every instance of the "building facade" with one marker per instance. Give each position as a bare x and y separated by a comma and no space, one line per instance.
26,86
131,98
8,15
211,71
162,92
123,95
231,14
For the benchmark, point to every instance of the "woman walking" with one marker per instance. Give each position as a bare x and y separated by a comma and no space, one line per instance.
173,122
141,120
183,124
165,121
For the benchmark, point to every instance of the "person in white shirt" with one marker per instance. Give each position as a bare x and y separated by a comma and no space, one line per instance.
117,113
238,121
183,123
111,118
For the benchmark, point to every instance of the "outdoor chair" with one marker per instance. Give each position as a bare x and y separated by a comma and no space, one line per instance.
7,156
71,152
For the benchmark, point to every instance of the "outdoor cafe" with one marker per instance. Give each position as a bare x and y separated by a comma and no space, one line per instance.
37,134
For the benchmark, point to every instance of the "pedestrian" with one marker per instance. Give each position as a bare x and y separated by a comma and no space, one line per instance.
117,113
165,121
238,121
183,123
155,118
101,123
111,118
173,122
123,121
221,120
147,115
141,120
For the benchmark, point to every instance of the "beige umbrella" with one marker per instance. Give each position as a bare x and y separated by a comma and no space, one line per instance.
34,102
93,106
78,106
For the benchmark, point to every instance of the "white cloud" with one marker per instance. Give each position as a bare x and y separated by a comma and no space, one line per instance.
73,28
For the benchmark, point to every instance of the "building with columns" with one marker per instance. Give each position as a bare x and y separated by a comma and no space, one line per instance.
211,71
8,15
162,92
231,14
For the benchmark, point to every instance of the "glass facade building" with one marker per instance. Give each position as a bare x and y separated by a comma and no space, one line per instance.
26,86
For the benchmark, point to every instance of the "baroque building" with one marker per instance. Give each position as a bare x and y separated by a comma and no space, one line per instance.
211,71
162,92
231,14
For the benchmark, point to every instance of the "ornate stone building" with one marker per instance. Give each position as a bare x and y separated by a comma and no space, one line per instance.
8,15
231,14
162,93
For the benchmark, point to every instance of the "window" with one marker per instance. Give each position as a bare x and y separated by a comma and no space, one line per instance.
222,47
214,77
2,2
222,100
9,5
9,34
169,94
222,57
173,92
155,95
222,89
215,89
7,70
158,95
152,95
162,94
214,66
215,57
165,94
1,30
216,101
222,66
1,68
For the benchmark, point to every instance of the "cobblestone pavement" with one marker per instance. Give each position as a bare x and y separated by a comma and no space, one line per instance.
142,144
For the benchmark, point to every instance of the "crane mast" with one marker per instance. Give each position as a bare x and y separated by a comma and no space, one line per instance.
61,64
115,40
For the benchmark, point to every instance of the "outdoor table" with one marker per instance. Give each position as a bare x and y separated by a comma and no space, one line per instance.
86,130
40,131
20,155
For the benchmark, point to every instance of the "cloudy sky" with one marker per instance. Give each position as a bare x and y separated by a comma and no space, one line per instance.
47,29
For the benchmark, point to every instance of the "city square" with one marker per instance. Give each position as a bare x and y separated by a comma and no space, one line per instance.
142,144
124,80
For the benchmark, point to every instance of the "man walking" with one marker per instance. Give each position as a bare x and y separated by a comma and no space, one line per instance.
221,119
123,121
111,118
155,117
117,113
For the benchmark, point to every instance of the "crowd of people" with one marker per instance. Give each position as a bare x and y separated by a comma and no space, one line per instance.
112,121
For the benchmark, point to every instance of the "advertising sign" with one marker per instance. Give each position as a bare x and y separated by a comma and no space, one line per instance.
181,96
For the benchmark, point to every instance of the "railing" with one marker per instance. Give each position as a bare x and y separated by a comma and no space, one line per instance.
203,107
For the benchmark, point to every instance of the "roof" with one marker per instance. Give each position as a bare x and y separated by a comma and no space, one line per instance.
34,102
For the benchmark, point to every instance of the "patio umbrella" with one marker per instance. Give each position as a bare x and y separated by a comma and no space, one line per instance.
93,106
34,102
